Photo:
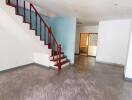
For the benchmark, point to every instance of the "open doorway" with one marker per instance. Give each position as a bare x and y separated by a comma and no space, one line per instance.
88,44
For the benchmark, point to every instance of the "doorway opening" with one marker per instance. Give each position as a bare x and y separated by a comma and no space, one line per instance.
88,44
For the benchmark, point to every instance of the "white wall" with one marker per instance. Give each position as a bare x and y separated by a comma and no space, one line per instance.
113,39
84,29
18,44
128,67
92,50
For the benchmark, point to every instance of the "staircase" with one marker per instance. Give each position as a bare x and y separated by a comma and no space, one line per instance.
36,22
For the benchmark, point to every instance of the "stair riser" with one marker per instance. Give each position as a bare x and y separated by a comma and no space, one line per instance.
55,57
63,66
52,63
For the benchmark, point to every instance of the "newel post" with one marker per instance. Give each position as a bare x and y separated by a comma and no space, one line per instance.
24,11
59,66
17,7
30,16
8,2
49,38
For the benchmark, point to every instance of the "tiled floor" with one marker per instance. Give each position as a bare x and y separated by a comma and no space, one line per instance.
86,80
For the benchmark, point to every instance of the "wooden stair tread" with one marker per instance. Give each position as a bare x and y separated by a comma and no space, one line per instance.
20,15
27,23
58,58
56,54
62,63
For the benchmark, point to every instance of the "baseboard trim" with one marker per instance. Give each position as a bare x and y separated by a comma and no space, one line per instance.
22,66
40,65
128,79
86,55
103,62
15,68
91,56
76,53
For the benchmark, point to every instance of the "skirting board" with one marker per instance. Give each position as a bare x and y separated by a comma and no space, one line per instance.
103,62
86,55
22,66
76,53
128,79
15,68
91,56
41,65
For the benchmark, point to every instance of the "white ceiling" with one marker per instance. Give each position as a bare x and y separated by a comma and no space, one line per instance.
88,11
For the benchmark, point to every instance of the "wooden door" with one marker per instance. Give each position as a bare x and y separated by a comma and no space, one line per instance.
83,49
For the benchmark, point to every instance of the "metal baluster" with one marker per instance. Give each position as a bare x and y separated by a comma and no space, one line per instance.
17,8
30,16
40,30
36,23
24,12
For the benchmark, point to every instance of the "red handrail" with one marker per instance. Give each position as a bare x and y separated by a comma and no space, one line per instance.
45,24
38,14
51,39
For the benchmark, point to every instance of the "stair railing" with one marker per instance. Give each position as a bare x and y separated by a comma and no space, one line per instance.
48,36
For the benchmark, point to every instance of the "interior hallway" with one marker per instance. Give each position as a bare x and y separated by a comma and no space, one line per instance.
86,80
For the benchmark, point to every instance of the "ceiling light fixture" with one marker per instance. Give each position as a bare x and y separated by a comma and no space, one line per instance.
115,4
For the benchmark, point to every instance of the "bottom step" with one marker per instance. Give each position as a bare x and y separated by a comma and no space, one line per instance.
63,65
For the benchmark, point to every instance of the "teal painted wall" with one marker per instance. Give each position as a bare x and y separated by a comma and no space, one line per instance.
64,29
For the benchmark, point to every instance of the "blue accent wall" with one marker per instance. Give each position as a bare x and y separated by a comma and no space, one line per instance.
64,29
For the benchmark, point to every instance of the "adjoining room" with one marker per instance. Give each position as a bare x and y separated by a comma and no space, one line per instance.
88,44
